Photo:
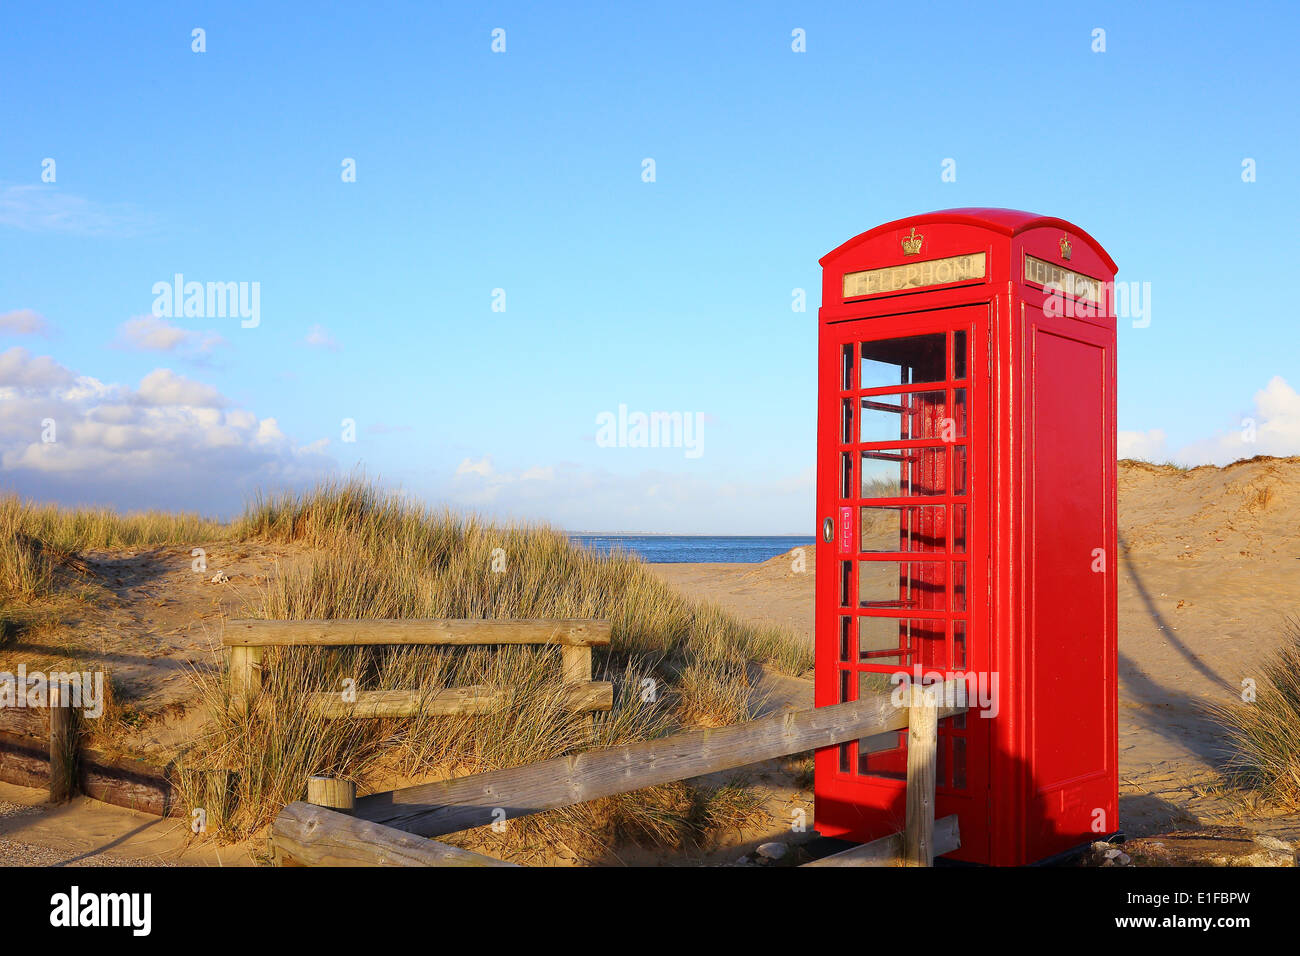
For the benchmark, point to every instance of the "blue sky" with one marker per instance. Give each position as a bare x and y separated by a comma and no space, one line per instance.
522,171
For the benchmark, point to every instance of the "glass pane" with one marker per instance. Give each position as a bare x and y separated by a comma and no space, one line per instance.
871,684
930,643
846,637
903,472
846,367
958,470
959,763
903,528
959,585
879,743
959,354
959,644
916,585
846,476
913,360
959,412
903,416
846,578
878,636
884,755
846,423
890,641
958,529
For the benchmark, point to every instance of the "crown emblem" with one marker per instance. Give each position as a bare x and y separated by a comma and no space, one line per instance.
912,243
1065,247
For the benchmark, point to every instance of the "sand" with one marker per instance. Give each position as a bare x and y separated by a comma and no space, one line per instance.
1209,572
85,832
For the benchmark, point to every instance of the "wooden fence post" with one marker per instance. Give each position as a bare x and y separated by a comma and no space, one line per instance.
64,742
304,835
575,668
245,675
922,746
332,793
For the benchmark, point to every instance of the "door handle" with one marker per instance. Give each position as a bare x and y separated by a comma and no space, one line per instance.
828,530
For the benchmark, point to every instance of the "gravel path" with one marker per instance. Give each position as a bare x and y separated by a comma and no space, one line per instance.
17,853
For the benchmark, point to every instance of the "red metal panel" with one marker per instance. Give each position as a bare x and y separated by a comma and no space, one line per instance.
966,562
942,534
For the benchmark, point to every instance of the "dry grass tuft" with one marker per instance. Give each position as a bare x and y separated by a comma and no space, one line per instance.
368,554
1265,733
675,664
39,543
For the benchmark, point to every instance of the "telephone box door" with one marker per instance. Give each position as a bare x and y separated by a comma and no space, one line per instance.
902,564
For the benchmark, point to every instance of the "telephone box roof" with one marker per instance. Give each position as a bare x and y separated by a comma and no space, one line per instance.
1010,222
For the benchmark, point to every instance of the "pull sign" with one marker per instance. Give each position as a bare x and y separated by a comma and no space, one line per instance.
846,530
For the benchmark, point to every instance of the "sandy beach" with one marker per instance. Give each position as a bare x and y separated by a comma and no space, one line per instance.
1209,572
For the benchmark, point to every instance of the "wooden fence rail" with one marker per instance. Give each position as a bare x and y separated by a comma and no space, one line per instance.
449,806
579,632
43,747
247,639
307,835
892,849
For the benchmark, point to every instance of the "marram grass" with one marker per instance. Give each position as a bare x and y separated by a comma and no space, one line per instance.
1264,733
675,663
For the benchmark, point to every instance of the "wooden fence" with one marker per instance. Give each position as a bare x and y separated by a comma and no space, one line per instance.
247,640
386,828
43,746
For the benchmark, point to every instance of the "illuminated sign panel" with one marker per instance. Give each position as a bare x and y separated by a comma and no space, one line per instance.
1051,276
914,275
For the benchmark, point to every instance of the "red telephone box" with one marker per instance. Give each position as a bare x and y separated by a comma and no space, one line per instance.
966,487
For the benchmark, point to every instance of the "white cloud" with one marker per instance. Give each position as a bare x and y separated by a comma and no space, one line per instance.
153,334
1148,446
482,467
319,337
1272,428
268,432
24,322
162,386
585,499
170,442
20,369
46,208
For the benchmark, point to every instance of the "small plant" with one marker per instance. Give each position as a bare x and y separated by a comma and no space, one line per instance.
1265,732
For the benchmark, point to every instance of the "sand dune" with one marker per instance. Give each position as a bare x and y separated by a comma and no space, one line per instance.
1209,572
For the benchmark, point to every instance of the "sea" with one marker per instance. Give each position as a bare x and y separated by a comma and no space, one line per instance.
693,549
